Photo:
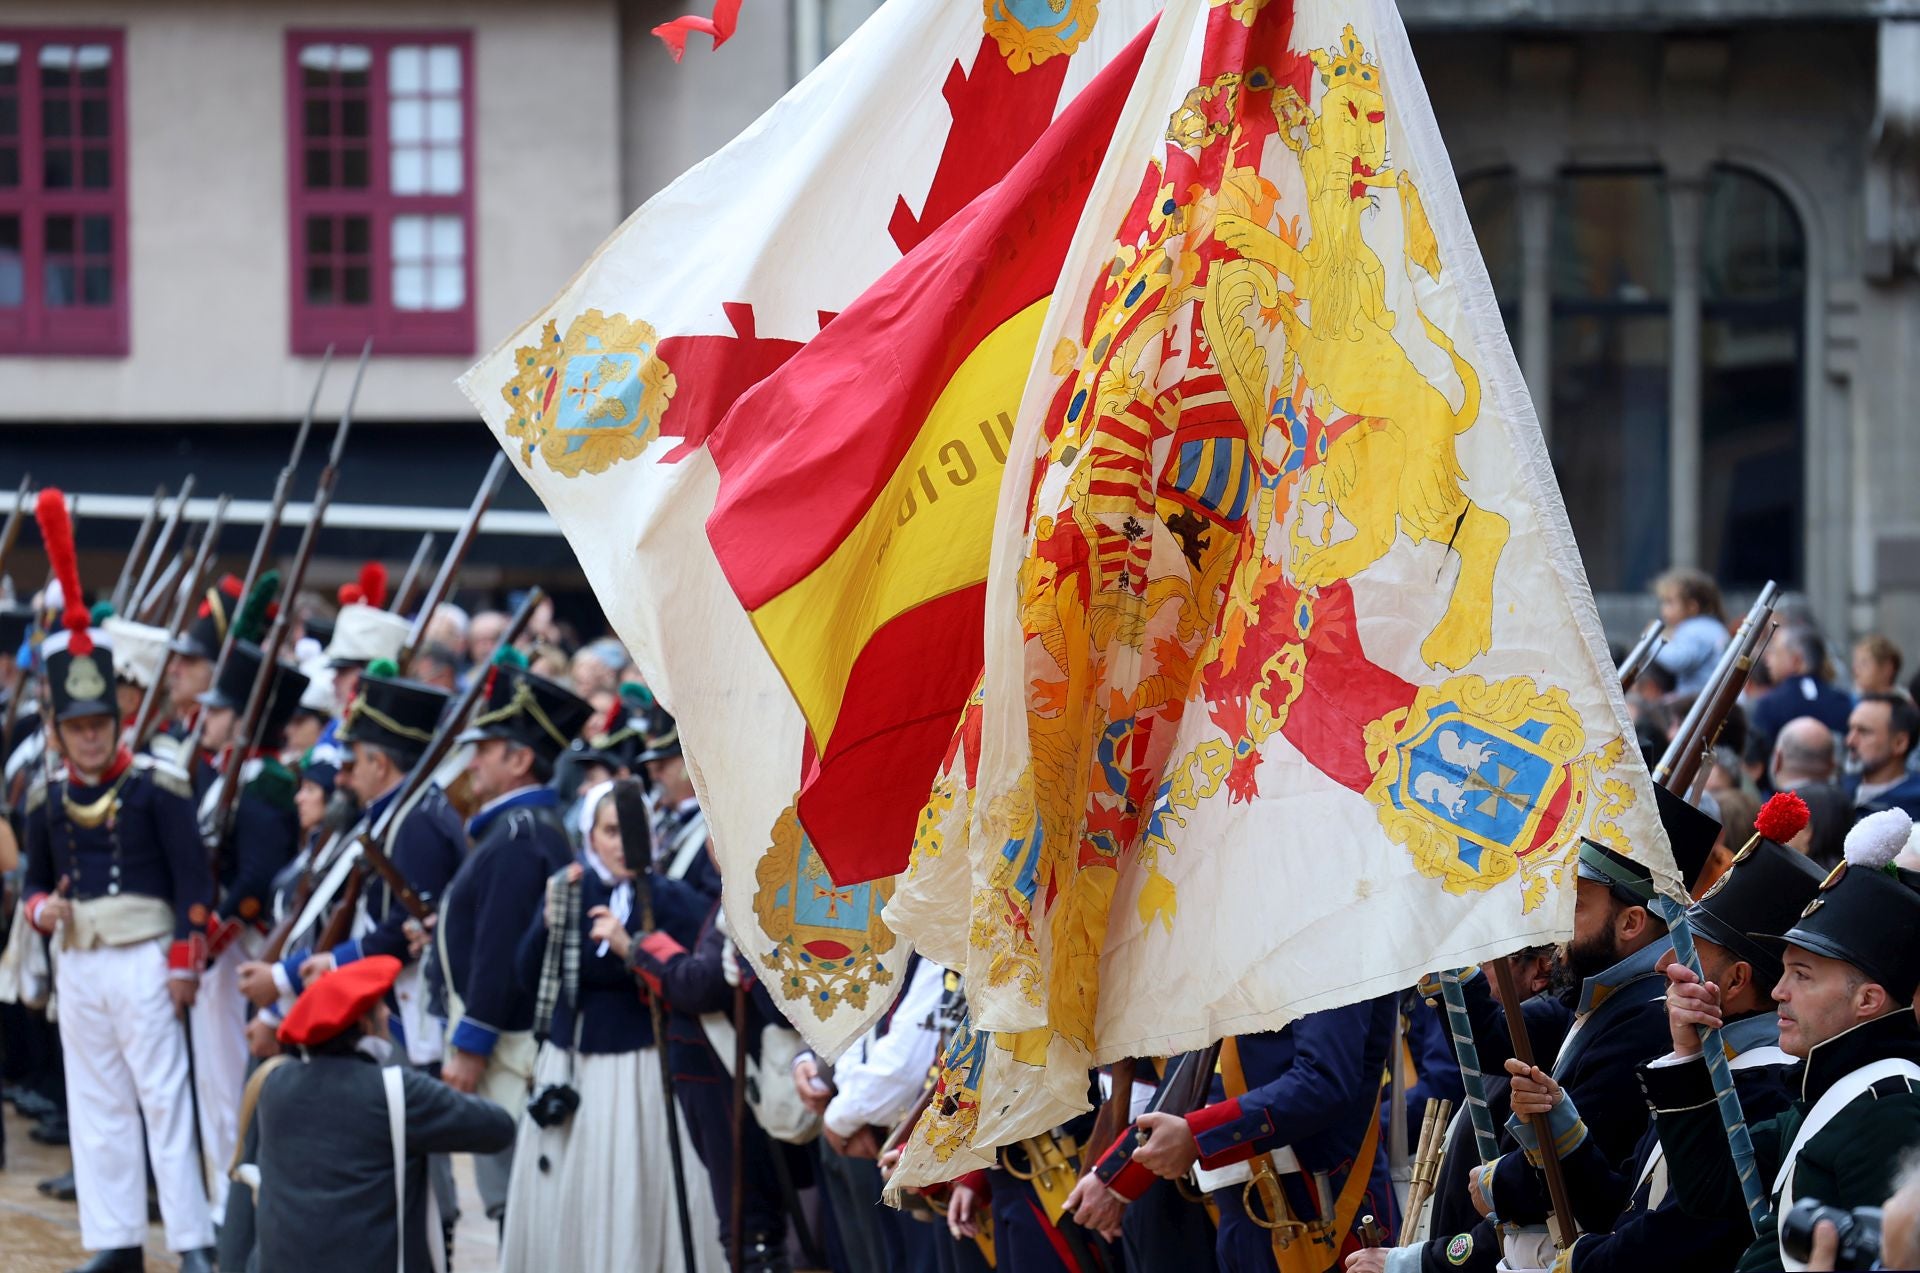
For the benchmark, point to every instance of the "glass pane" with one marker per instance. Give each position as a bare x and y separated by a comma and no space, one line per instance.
1610,442
407,120
359,284
9,63
56,63
405,72
1751,470
56,118
9,167
1610,238
96,235
96,285
96,168
353,117
443,171
355,170
409,175
12,273
57,291
59,234
354,61
319,285
409,287
357,235
93,117
409,238
448,289
443,119
56,170
443,69
448,238
319,235
319,168
1751,246
317,118
319,57
9,115
1490,207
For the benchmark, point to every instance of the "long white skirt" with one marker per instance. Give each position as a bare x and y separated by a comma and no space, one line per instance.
605,1200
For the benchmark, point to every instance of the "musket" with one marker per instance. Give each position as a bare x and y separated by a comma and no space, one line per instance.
138,550
270,530
250,725
457,554
404,596
15,519
1182,1091
1642,654
636,846
182,607
161,544
156,597
1701,728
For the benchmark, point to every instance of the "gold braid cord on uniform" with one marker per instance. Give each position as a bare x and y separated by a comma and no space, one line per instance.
97,811
359,707
522,702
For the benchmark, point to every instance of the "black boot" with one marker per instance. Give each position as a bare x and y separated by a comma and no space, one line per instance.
51,1130
765,1253
200,1261
60,1187
126,1259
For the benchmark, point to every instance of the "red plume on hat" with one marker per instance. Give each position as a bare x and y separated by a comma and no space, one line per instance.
56,531
370,589
1782,817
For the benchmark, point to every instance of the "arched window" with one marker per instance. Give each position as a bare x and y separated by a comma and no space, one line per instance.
1611,286
1752,346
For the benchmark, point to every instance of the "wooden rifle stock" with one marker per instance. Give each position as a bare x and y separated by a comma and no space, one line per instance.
456,556
1115,1112
139,549
182,607
1641,656
1684,756
15,519
341,920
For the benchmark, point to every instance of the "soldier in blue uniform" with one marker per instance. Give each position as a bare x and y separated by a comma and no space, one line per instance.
520,729
1296,1124
265,837
116,873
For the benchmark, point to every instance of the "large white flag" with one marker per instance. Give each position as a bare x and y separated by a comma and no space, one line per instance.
606,399
1294,685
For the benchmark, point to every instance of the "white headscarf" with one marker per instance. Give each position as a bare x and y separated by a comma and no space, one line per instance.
621,903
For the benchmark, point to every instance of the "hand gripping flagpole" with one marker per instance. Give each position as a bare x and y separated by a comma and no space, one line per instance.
1460,1026
1731,1115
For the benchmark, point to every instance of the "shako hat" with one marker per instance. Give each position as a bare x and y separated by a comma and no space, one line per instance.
203,636
1763,891
1867,910
663,739
77,658
338,999
1691,833
392,713
613,741
527,709
236,682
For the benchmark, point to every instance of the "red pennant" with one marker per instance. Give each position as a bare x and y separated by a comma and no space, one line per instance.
726,16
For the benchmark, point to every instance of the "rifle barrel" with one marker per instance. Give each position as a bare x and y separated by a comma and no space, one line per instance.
404,596
139,549
138,596
1681,760
1641,656
11,531
182,607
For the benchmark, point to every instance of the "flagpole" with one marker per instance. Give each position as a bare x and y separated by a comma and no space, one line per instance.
1467,1053
1561,1222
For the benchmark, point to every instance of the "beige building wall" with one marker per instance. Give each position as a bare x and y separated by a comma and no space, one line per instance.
206,145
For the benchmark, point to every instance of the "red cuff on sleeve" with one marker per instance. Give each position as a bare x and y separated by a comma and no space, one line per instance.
189,955
1209,1118
661,947
33,912
1131,1181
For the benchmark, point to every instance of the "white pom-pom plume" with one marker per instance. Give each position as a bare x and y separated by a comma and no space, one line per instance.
1878,838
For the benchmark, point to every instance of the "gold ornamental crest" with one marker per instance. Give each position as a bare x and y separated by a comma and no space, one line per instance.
589,398
84,683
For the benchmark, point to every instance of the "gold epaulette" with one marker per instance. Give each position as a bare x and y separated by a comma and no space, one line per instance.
166,775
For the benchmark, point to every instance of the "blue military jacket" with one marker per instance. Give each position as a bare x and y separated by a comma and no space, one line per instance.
518,841
427,849
148,845
266,836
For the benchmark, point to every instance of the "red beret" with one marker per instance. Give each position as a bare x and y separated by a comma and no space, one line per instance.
338,999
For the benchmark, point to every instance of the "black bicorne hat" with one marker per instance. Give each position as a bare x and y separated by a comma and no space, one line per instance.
1867,911
236,683
396,714
1764,891
527,709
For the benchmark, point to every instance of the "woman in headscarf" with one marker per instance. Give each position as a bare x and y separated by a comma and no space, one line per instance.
591,1187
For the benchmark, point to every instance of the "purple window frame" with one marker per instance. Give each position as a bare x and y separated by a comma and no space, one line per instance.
35,326
315,325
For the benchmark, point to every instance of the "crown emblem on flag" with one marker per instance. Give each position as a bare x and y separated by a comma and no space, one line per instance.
1348,62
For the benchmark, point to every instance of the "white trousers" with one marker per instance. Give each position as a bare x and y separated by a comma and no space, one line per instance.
126,1059
219,1021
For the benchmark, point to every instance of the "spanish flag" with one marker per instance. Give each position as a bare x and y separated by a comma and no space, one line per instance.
859,482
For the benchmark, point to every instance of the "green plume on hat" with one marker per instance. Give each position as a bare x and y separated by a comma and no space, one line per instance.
251,623
636,695
101,612
508,656
387,669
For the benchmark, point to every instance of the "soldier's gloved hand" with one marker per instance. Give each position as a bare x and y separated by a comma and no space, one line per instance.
1691,1005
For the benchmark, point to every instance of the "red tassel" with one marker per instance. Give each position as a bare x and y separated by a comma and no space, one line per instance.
726,17
56,531
613,716
1782,817
373,585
